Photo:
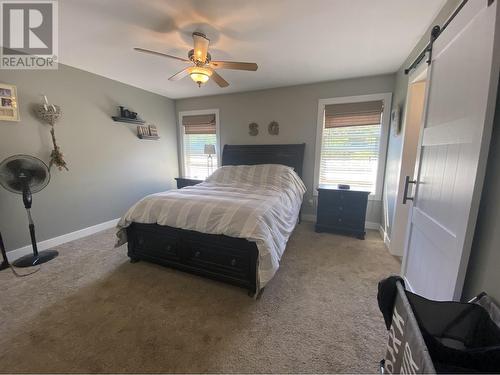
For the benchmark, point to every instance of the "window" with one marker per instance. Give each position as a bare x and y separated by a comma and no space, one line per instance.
199,143
352,142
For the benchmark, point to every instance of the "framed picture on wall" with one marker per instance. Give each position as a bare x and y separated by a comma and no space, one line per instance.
9,110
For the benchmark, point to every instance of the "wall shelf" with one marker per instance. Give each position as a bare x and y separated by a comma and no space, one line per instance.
128,120
152,137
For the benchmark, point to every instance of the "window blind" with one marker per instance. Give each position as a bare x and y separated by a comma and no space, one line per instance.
350,145
199,130
353,114
199,124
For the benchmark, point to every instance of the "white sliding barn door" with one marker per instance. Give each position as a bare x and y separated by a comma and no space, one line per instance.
452,154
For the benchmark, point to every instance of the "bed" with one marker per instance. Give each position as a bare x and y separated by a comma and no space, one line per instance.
234,232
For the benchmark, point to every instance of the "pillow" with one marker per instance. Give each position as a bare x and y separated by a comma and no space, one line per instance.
275,175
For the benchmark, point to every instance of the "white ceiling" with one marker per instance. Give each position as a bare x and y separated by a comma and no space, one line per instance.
292,41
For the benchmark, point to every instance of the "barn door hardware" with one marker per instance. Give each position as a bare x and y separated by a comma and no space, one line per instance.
436,31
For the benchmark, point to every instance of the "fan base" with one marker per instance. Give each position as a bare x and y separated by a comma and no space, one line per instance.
31,260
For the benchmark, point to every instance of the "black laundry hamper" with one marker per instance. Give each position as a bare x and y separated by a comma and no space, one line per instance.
430,337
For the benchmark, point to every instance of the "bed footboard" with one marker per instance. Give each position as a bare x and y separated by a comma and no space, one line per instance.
228,259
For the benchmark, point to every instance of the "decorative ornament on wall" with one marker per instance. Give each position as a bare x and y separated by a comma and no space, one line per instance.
253,129
273,128
395,120
50,114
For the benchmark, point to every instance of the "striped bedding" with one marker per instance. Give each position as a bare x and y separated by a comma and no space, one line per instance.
260,203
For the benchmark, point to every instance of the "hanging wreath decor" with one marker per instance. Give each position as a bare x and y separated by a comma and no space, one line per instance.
50,114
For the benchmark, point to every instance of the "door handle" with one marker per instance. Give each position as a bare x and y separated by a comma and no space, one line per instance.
407,184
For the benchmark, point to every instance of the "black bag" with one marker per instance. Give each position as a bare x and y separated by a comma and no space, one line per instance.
438,337
460,337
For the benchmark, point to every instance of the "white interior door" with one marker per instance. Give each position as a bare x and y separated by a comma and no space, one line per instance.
460,103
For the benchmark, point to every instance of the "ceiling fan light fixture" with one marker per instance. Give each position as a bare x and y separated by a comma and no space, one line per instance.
200,75
204,67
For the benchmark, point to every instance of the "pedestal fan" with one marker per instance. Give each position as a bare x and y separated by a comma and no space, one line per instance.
25,175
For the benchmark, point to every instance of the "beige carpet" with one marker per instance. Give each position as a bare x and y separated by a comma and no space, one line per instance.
90,310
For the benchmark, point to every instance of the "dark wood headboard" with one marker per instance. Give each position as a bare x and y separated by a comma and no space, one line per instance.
290,155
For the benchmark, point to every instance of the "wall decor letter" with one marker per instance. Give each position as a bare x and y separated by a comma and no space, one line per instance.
253,129
273,128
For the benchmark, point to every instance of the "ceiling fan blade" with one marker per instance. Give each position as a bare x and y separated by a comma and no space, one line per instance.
160,54
200,46
233,65
180,75
218,79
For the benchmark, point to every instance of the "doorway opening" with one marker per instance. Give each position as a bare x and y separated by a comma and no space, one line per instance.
415,103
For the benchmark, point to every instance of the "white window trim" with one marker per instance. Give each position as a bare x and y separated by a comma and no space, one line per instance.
181,133
387,98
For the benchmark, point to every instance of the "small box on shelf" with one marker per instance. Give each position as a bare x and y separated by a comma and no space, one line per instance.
144,132
153,131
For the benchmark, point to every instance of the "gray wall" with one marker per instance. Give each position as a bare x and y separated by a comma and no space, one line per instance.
109,167
399,99
484,264
296,110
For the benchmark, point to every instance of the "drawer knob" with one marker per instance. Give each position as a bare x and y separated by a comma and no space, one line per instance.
197,254
141,240
340,220
169,247
233,262
341,208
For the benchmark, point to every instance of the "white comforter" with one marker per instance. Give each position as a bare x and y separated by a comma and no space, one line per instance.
260,203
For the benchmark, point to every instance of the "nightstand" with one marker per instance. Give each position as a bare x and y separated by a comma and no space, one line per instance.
183,182
341,211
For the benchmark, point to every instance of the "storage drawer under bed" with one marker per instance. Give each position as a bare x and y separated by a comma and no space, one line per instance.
147,241
220,257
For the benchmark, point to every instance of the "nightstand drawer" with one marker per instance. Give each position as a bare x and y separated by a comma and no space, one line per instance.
346,220
341,198
343,207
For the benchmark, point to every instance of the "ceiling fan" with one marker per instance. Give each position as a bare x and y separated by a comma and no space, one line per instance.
203,68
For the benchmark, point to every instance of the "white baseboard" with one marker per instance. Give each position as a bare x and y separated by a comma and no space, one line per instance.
56,241
381,231
371,225
310,218
385,237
